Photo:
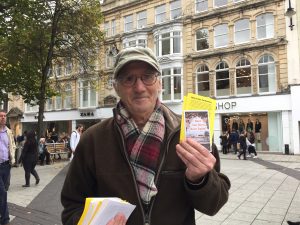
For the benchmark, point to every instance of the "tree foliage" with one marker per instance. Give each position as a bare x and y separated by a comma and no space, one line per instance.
35,34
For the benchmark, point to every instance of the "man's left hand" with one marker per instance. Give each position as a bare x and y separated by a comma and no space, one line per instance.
198,160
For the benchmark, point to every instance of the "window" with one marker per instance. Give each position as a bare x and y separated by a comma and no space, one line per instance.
202,39
106,29
221,35
237,0
219,3
67,100
242,31
31,108
49,104
222,79
168,43
265,26
87,94
202,81
69,67
128,21
109,58
58,70
113,27
175,8
201,5
172,84
266,74
58,102
160,14
141,19
243,77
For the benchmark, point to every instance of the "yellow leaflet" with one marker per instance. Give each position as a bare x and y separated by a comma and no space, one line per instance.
85,211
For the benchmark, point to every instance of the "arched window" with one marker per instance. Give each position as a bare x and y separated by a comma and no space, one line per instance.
67,97
243,77
202,80
266,74
222,79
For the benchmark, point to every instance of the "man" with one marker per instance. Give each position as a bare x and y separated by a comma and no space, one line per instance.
75,137
136,156
7,158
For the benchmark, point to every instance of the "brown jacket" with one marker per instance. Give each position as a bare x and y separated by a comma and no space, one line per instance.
101,168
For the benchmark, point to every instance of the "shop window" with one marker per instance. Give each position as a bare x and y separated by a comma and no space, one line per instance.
243,77
202,81
33,107
175,9
241,31
220,3
265,26
266,74
141,19
128,23
87,94
222,79
202,39
160,14
201,5
168,43
172,84
221,35
67,97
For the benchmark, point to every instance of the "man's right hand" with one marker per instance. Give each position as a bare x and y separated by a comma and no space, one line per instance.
119,219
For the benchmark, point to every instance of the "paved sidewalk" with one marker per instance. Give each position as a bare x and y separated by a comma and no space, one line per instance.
264,191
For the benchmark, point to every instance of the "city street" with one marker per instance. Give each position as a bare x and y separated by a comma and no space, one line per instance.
264,191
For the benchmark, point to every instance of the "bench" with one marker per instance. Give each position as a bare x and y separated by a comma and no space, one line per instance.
56,149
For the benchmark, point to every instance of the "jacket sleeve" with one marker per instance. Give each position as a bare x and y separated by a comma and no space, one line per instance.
79,182
213,193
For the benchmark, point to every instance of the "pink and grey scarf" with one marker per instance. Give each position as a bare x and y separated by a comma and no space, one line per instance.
143,147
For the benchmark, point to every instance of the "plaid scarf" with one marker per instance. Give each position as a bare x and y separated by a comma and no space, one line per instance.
143,147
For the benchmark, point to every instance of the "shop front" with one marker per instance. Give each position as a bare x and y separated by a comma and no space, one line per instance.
268,117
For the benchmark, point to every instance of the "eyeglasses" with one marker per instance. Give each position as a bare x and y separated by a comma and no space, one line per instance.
148,79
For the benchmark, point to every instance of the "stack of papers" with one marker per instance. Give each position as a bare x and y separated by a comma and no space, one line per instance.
99,211
198,116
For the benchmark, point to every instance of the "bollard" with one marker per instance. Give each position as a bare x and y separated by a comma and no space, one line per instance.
286,149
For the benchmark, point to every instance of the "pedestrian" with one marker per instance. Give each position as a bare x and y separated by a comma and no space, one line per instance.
136,156
19,147
243,145
233,140
224,142
251,145
74,139
7,158
30,158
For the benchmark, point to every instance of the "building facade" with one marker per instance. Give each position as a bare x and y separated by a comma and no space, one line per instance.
240,52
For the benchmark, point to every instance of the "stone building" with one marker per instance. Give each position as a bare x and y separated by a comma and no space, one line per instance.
236,51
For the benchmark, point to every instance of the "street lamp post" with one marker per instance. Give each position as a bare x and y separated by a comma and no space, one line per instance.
289,13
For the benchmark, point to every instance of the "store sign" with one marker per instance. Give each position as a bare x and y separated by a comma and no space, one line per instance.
226,105
85,114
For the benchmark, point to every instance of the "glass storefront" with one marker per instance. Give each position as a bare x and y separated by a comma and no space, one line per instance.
267,128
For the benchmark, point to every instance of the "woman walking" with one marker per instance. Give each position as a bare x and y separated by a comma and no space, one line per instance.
30,158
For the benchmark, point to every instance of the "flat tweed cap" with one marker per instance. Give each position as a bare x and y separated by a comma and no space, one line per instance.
135,54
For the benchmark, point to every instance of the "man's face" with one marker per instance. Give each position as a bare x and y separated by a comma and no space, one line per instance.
2,118
139,99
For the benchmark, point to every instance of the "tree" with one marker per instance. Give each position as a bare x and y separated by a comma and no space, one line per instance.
35,34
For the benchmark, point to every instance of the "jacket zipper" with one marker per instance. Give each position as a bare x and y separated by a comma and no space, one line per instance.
133,175
148,222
